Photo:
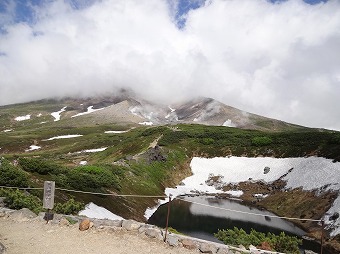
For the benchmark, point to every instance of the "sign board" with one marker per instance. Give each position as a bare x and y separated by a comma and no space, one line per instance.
48,201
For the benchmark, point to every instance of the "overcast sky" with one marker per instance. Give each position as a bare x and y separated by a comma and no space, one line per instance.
280,59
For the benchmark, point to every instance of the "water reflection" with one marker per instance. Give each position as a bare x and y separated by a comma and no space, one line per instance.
203,221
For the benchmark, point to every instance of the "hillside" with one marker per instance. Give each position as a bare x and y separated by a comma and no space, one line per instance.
124,145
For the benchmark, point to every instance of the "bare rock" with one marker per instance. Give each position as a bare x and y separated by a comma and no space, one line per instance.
266,170
106,222
189,244
131,225
207,248
23,214
223,251
172,240
84,225
154,233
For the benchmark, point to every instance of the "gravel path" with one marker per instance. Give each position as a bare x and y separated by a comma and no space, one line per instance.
37,237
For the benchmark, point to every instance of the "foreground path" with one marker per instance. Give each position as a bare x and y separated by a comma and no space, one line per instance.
37,237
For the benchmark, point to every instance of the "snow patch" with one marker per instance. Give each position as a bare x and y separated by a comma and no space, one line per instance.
229,123
32,148
93,211
89,110
235,193
83,163
56,115
146,123
22,118
8,130
93,150
64,136
115,132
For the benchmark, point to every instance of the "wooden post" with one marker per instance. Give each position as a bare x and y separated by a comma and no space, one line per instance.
322,235
167,218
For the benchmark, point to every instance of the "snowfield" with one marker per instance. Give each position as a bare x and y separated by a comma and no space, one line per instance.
93,150
311,173
56,115
115,132
22,118
93,211
64,136
89,110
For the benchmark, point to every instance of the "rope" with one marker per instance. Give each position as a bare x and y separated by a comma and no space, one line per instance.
112,194
248,213
152,196
21,188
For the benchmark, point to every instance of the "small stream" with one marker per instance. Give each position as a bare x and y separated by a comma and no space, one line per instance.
202,222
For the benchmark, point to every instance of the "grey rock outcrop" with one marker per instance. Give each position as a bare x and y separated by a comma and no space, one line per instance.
207,248
131,225
23,214
189,244
172,240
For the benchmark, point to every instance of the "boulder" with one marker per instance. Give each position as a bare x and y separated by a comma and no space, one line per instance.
84,224
131,225
207,248
172,240
266,170
189,244
106,222
154,233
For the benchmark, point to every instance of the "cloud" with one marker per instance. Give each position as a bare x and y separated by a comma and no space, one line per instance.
279,60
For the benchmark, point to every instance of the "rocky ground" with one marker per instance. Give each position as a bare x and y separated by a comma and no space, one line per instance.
24,232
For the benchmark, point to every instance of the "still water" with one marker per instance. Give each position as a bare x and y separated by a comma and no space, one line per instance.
202,222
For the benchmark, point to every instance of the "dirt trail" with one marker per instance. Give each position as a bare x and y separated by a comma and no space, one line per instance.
37,237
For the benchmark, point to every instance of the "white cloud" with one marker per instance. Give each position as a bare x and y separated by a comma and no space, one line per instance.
279,60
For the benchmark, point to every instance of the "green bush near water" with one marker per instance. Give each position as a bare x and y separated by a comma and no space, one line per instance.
280,243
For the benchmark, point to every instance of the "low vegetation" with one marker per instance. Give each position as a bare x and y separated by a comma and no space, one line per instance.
280,243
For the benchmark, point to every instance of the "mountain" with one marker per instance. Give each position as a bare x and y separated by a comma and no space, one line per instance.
123,144
128,109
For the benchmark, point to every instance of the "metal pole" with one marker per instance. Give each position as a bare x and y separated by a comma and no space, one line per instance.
167,218
322,235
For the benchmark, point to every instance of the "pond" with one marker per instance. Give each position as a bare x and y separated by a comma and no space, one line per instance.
202,221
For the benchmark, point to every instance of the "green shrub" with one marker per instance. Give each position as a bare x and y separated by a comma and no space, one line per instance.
280,243
16,199
88,178
11,175
39,166
70,207
261,141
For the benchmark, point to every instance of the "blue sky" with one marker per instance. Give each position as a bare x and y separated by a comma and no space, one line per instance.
24,9
279,59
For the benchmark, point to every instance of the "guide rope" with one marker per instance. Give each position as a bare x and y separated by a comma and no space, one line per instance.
164,196
248,213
